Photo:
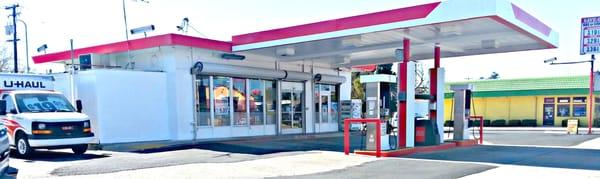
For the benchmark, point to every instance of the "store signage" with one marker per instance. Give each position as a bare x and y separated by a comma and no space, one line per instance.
590,35
12,82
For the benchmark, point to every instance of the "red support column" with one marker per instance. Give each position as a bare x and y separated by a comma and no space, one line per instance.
436,57
402,87
433,80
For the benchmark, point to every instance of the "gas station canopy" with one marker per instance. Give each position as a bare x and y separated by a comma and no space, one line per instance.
458,27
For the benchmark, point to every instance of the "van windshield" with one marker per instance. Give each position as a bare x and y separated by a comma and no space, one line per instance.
34,103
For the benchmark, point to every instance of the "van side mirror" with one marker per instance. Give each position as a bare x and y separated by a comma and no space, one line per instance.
2,107
79,106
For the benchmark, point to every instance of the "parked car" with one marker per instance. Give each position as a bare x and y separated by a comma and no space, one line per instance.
5,170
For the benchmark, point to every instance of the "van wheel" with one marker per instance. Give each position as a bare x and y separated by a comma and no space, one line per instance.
22,145
79,149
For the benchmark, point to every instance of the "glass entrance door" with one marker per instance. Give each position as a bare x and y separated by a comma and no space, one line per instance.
326,108
292,105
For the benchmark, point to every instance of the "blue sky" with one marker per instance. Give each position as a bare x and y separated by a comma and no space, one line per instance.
91,22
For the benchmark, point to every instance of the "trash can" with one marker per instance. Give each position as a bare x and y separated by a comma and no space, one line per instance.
426,133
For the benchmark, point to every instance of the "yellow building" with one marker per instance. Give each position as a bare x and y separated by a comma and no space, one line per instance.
548,101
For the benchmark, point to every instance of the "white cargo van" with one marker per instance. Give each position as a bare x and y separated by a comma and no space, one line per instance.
38,117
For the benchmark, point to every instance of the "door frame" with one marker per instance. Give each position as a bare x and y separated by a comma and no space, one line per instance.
302,103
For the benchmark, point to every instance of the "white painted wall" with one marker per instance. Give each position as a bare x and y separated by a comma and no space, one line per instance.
125,106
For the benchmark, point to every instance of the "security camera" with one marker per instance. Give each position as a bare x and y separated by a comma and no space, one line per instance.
142,29
550,60
184,25
42,48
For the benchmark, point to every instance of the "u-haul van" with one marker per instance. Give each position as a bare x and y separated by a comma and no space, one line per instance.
38,117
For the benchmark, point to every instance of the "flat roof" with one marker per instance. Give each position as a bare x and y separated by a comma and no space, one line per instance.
546,86
459,27
137,44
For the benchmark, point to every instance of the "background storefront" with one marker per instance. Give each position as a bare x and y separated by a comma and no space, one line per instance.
548,101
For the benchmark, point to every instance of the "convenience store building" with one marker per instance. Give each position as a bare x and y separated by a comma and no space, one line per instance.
276,82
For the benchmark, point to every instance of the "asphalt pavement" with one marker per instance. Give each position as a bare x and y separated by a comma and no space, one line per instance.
539,138
402,168
442,164
208,152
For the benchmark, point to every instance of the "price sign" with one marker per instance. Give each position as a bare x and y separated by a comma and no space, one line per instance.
590,35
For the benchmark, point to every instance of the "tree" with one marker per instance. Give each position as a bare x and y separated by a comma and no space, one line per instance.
422,83
358,92
6,64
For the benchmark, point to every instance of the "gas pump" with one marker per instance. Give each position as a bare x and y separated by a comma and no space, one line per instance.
380,104
462,110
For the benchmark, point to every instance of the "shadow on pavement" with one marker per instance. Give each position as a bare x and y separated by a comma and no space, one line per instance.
55,156
269,146
516,155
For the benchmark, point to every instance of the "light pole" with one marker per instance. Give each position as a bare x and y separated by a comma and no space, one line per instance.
125,18
591,90
26,44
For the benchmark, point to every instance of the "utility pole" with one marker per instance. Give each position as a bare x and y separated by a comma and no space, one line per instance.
14,16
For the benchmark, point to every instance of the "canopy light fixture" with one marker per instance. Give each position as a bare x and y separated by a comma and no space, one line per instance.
230,56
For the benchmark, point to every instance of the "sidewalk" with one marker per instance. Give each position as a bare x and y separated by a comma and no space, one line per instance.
170,144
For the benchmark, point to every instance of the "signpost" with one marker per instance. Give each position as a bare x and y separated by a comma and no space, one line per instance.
590,44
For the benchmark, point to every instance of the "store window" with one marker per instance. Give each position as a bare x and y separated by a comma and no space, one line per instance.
256,102
549,100
563,110
579,99
579,110
240,116
271,101
564,99
334,105
221,100
317,97
203,100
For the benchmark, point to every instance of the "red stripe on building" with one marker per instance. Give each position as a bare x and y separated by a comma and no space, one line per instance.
137,44
384,17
